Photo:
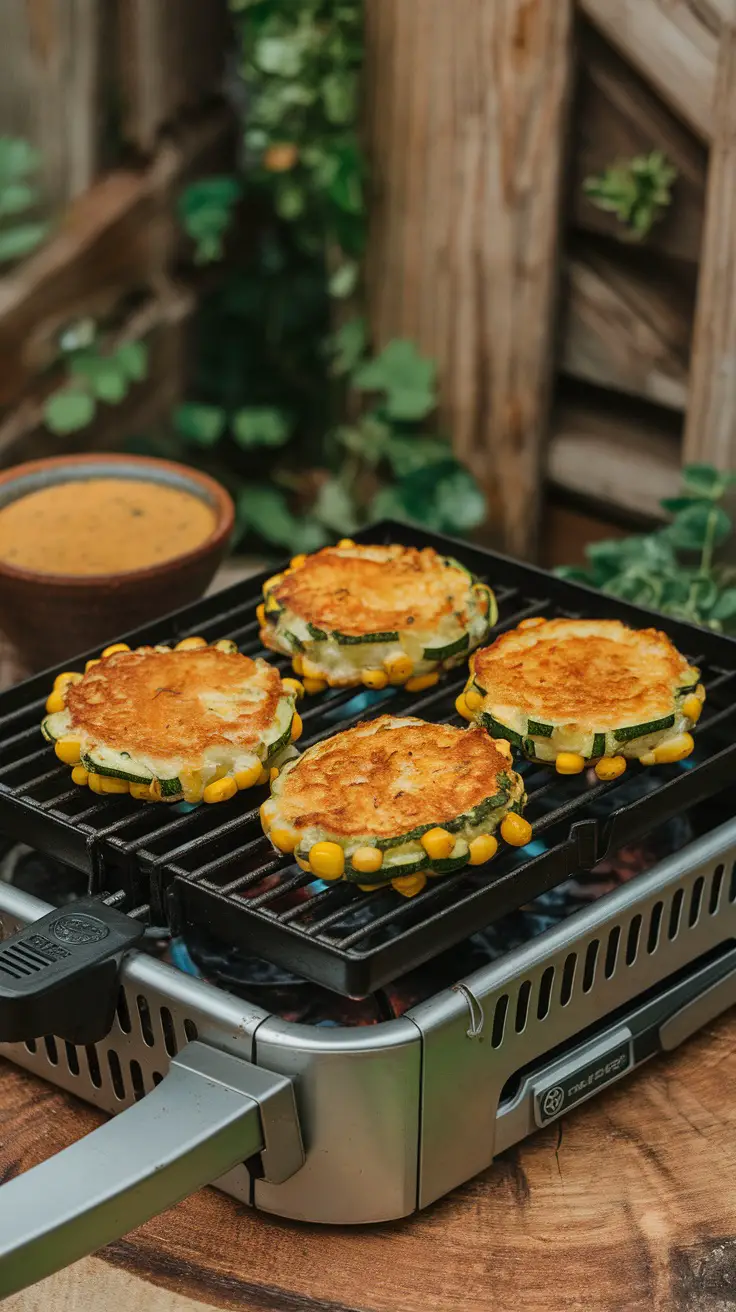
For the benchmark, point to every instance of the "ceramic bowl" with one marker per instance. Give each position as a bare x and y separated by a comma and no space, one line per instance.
49,617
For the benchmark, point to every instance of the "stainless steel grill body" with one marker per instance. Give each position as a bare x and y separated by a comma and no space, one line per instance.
395,1115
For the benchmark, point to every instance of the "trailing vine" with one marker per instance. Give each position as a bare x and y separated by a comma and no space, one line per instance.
314,433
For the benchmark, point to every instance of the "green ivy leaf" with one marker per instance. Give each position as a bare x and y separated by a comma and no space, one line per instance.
691,528
202,425
19,241
444,497
725,606
348,345
344,280
132,358
408,454
110,384
68,410
279,55
703,480
675,504
369,439
290,201
260,426
339,96
264,510
18,158
407,379
335,509
17,197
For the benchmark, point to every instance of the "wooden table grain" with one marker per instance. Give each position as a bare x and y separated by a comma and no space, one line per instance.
628,1204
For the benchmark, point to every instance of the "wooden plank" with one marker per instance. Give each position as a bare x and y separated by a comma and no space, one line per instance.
626,1204
627,322
51,87
618,116
117,238
172,58
615,460
673,44
466,124
710,433
566,532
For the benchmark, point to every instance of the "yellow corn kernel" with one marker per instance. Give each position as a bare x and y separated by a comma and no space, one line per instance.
409,885
293,688
399,668
692,707
515,830
610,767
90,665
327,860
141,792
700,692
569,763
297,727
116,646
675,750
80,775
248,778
297,663
62,681
462,708
303,865
346,542
437,843
69,751
154,791
191,785
296,562
273,773
375,679
110,785
473,699
261,615
263,777
532,623
273,582
370,888
95,782
220,791
227,645
190,644
367,860
482,849
55,702
313,686
421,682
284,839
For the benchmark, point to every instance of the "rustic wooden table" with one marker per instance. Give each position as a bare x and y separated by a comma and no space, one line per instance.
627,1204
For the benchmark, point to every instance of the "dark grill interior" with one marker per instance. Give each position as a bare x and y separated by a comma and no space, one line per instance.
211,867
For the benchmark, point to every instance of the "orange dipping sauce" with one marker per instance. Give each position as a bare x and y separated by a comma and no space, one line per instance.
102,526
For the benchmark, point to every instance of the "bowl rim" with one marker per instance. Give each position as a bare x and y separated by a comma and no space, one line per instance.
218,497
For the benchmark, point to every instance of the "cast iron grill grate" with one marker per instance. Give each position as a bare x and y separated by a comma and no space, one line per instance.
211,867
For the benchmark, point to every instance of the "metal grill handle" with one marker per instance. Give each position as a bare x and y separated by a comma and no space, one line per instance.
210,1113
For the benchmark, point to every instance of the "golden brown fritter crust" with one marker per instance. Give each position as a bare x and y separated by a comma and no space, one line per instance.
372,589
598,674
176,703
387,776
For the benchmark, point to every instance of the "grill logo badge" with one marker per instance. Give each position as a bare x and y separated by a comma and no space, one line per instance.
79,929
580,1082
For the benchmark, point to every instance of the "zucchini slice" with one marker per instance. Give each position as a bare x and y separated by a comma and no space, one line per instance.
319,634
383,844
498,730
356,640
95,766
631,731
492,612
452,649
403,863
599,744
295,643
55,726
539,730
455,861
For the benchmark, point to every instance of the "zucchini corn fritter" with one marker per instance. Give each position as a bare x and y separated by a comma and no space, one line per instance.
375,615
574,692
194,724
395,800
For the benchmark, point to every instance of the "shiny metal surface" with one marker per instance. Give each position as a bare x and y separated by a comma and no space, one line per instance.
209,1113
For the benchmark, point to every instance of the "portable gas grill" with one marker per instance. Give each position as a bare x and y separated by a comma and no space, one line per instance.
338,1121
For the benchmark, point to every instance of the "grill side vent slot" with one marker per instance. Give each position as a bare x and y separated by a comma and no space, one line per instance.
655,924
499,1020
715,889
522,1005
591,956
632,940
614,938
675,912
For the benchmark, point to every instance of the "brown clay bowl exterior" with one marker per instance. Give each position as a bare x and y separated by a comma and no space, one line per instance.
49,617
